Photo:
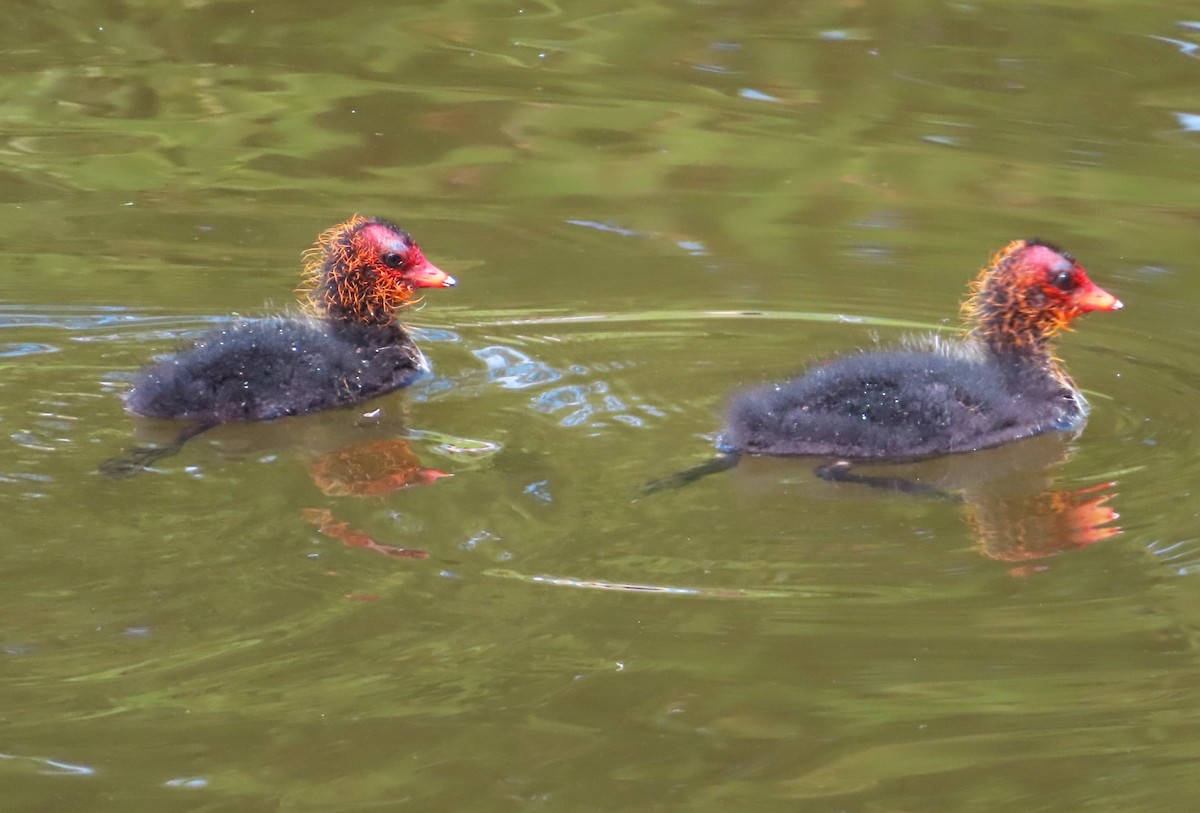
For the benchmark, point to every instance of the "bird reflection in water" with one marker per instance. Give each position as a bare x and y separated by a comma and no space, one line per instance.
372,469
1025,528
1015,512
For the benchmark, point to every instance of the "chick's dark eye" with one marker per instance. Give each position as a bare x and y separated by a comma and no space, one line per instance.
393,260
1064,280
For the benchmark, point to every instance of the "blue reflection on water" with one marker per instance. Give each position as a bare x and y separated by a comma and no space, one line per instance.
540,490
587,403
691,246
1185,48
598,226
1179,555
51,766
581,404
514,370
572,396
8,349
433,334
1189,122
757,95
62,316
187,782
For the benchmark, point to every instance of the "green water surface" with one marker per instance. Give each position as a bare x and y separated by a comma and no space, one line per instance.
648,205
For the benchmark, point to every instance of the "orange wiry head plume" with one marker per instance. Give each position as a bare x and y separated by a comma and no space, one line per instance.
330,244
1027,294
364,270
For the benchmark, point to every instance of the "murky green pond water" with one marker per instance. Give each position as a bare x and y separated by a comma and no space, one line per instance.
648,206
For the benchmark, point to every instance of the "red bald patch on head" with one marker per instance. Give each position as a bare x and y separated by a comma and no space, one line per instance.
1039,255
381,237
1063,280
401,257
1027,294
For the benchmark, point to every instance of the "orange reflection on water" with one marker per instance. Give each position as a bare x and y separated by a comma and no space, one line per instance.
1024,528
371,469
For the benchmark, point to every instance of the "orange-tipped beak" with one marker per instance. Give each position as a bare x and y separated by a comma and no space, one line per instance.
424,274
1091,297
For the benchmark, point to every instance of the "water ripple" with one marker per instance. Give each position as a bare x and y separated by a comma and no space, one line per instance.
1186,48
514,370
53,767
1189,122
9,349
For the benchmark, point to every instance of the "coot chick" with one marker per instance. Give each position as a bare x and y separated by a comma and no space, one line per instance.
998,384
347,347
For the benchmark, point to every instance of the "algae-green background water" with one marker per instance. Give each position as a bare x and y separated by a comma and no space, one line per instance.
647,205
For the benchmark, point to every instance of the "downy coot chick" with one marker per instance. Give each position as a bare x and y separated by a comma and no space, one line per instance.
1000,383
347,348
